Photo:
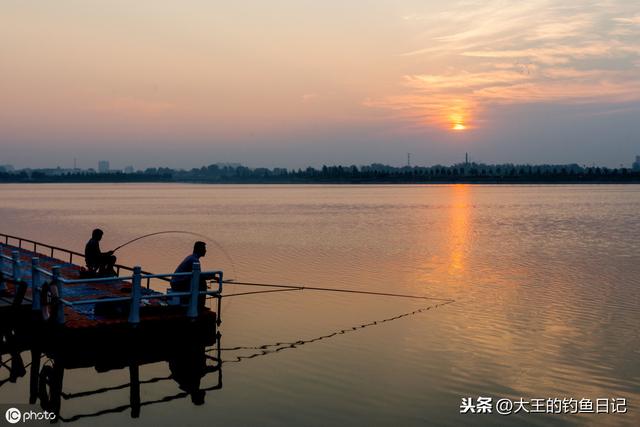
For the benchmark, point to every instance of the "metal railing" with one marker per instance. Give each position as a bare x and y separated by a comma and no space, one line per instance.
14,262
136,279
22,243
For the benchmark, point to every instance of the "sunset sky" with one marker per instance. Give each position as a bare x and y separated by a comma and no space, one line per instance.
299,82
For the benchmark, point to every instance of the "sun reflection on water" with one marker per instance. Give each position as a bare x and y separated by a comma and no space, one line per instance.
459,224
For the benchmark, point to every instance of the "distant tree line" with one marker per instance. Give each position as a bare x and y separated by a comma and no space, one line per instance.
371,174
38,176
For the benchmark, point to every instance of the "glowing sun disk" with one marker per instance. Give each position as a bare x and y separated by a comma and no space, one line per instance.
457,121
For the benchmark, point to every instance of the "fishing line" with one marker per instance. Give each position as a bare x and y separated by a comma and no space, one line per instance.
266,349
351,291
260,292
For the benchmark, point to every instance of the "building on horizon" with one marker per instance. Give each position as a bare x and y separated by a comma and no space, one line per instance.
128,169
103,166
6,168
636,164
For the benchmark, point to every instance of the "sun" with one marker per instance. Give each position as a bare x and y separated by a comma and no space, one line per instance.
457,122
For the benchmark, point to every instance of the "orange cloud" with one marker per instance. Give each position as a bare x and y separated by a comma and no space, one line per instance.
499,52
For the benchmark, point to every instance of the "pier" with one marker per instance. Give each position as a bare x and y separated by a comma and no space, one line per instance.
49,306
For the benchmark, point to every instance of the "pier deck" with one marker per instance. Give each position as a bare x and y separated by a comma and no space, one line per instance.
53,308
89,302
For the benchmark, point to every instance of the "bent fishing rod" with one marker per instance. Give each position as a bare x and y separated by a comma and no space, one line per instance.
283,287
218,245
160,232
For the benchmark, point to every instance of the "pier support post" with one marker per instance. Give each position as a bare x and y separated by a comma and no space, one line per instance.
15,256
219,298
35,284
57,283
195,289
134,309
34,375
134,389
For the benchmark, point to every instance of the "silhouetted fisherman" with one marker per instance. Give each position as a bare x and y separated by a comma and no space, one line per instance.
98,262
183,283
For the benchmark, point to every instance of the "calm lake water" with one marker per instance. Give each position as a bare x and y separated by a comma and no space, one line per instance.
546,283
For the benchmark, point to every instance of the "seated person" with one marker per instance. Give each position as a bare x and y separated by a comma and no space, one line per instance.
98,262
183,283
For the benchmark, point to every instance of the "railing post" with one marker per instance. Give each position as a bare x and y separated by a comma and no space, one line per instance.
15,256
195,288
35,284
59,285
219,298
134,310
2,285
219,313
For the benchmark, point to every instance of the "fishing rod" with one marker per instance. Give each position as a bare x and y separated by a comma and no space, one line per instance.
290,287
143,237
218,245
259,292
351,291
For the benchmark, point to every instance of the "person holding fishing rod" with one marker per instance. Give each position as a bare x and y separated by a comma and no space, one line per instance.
183,283
98,262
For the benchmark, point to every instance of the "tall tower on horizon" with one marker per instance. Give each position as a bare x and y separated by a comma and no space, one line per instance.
409,159
466,158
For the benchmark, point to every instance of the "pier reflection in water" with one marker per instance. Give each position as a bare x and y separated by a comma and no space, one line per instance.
189,360
194,365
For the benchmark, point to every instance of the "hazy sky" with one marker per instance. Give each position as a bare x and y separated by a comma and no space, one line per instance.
306,82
